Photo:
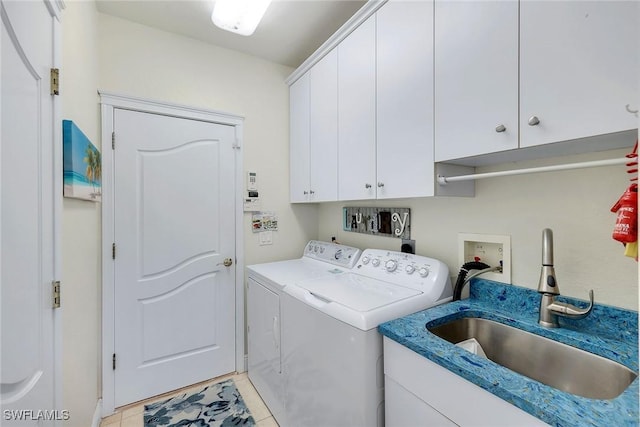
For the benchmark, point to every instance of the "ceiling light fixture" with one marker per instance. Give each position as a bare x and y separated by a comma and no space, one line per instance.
239,16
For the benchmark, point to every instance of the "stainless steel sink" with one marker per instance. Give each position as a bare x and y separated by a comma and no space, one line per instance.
550,362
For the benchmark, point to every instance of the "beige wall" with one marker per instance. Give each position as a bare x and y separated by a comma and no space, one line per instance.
574,204
140,61
80,223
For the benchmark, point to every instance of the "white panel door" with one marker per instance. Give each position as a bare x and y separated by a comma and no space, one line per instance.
579,67
357,113
404,99
174,227
28,224
476,77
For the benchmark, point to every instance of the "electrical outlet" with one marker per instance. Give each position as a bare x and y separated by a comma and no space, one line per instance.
493,250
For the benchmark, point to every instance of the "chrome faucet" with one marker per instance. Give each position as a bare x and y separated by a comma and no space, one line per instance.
550,309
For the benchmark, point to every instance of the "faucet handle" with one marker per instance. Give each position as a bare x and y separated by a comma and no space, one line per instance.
571,311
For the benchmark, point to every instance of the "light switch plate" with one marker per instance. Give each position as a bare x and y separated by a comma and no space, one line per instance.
266,238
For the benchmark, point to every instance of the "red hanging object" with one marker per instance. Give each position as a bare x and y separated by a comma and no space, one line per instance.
626,228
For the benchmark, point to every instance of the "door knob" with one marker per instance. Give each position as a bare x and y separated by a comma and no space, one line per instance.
227,262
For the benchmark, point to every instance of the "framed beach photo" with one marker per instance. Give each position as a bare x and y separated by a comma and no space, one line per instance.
82,165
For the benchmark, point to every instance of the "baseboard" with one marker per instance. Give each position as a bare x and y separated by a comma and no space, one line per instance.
97,415
246,364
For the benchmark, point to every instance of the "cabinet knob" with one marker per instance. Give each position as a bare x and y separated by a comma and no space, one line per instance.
312,192
628,107
533,121
500,128
305,192
367,186
381,184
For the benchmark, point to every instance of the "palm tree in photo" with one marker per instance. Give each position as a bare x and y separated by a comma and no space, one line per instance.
93,173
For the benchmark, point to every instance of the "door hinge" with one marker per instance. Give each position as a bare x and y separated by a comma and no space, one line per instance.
55,81
113,251
56,293
113,360
113,140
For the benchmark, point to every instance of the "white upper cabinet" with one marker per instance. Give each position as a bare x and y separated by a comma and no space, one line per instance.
571,77
357,113
404,69
299,140
323,146
476,77
579,68
314,133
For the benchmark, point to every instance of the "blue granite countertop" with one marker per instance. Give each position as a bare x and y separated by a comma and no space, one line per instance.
608,331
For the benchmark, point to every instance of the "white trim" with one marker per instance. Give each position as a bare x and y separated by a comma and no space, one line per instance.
97,414
169,109
56,8
109,102
354,22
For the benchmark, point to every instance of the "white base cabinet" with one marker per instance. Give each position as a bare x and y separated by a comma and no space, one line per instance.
415,387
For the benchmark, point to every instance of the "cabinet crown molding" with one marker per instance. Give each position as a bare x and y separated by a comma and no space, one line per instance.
358,18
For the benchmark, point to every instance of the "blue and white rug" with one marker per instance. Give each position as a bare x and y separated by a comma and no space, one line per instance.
217,405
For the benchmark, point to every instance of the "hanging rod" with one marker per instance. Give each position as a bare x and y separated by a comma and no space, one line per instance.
443,180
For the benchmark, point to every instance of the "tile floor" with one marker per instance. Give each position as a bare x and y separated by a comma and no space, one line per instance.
131,415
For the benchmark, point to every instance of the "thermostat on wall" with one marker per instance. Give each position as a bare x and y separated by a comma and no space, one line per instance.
252,197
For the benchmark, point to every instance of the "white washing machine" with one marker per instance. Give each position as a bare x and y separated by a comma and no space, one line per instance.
332,351
265,283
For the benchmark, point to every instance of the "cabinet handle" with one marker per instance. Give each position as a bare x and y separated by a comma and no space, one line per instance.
533,121
367,186
381,184
628,107
500,128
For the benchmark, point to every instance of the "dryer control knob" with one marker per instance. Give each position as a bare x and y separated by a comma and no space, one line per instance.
375,262
391,265
410,269
424,272
365,260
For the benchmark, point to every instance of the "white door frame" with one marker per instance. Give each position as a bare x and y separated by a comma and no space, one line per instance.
109,102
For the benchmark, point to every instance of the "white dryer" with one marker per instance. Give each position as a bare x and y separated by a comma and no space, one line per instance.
332,350
265,283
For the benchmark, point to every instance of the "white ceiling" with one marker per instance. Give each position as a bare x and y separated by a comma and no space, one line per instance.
290,31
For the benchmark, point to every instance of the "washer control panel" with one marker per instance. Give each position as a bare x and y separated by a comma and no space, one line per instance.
344,256
401,268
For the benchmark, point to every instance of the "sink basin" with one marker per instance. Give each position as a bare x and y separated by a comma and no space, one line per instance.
550,362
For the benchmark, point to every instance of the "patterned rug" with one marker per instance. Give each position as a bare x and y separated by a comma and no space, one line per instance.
217,405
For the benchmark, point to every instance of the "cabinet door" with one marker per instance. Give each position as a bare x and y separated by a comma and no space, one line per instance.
357,114
405,99
476,77
323,125
299,142
578,68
